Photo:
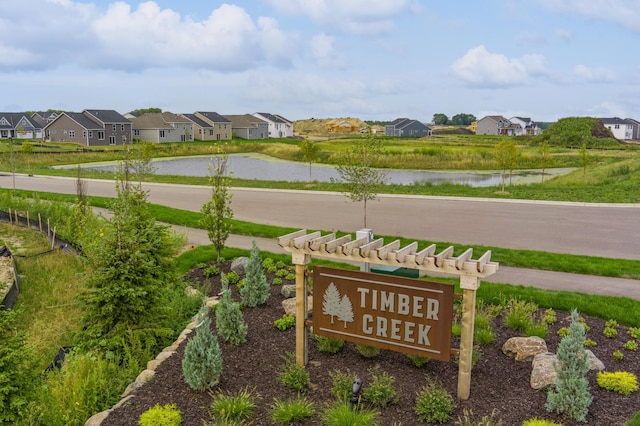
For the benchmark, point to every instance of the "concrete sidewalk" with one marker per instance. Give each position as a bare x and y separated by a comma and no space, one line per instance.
548,280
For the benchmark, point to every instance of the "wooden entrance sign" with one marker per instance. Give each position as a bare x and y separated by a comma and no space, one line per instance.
303,246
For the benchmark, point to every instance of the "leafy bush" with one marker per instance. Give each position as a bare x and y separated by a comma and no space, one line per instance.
630,345
281,273
161,415
617,355
229,320
202,362
418,360
328,345
549,317
563,331
230,408
537,328
540,422
211,271
621,382
589,343
291,410
634,332
484,336
571,394
342,385
381,390
519,314
285,322
277,281
433,403
367,351
342,413
610,332
293,375
255,290
232,277
467,419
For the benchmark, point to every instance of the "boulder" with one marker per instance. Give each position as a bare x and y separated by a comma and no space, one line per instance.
524,348
97,419
239,264
288,290
543,373
289,305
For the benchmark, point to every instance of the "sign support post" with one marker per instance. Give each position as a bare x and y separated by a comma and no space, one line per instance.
469,285
302,331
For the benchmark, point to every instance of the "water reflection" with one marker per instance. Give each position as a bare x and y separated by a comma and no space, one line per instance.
267,168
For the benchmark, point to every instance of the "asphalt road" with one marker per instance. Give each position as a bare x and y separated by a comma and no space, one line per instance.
607,230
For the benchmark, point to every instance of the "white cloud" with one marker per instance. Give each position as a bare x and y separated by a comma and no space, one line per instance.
322,51
350,16
623,12
594,75
229,39
481,68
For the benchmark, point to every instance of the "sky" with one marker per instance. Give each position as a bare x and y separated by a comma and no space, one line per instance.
370,59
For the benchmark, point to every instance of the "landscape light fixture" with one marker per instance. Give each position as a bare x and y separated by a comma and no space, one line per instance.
355,390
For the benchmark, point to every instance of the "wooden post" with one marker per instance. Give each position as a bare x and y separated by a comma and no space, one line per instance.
302,332
469,285
10,220
40,222
17,221
48,228
28,221
53,239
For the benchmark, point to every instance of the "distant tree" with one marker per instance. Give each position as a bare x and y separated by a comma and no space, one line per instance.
356,170
507,157
141,155
440,119
462,119
146,110
585,159
309,153
217,212
27,150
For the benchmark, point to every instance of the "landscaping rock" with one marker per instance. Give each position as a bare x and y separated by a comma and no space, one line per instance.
543,373
289,305
239,264
524,348
288,291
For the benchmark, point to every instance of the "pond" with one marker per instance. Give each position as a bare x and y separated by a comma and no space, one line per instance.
262,167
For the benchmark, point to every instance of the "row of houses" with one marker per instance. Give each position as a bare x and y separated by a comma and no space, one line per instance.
93,127
622,129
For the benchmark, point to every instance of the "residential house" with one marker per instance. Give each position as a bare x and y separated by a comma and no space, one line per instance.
91,127
200,127
636,128
529,128
19,125
247,126
44,117
279,127
339,125
219,127
622,129
405,127
162,127
497,125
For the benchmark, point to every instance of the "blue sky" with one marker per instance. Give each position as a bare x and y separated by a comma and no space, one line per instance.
371,59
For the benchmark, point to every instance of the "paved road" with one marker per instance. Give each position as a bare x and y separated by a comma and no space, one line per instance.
607,230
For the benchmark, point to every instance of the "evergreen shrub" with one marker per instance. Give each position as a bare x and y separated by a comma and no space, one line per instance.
202,362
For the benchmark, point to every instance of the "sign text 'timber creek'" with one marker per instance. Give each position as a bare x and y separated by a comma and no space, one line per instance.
401,314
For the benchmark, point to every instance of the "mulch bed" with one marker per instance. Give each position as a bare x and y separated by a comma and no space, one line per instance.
498,383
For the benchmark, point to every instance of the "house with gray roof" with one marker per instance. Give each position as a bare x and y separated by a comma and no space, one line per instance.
162,127
219,127
405,127
279,127
91,127
497,125
528,126
200,127
19,125
622,129
247,126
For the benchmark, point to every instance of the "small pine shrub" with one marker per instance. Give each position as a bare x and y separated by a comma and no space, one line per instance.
367,351
433,403
285,322
550,317
583,321
291,410
621,382
342,413
293,375
202,362
617,355
211,271
328,345
229,320
589,343
540,422
256,289
342,385
571,393
381,391
467,419
634,332
161,415
418,360
230,408
630,345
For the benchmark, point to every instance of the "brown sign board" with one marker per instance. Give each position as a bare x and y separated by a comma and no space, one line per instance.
395,313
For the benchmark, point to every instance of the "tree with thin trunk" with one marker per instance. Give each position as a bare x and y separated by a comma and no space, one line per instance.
362,181
545,156
584,159
217,211
507,157
309,153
